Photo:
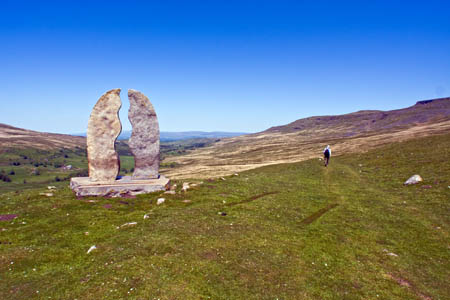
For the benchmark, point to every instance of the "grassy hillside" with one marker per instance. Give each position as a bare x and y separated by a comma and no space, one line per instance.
287,231
305,139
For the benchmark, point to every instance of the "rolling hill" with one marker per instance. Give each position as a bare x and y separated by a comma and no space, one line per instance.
13,137
305,138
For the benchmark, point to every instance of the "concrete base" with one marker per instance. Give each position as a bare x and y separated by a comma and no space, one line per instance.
125,186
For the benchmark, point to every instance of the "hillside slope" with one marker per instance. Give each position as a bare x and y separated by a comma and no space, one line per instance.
305,138
13,137
291,231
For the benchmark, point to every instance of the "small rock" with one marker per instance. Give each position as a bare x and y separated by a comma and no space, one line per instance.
146,216
236,174
128,224
390,253
223,178
413,180
160,201
186,201
426,186
90,249
51,187
46,194
185,186
170,192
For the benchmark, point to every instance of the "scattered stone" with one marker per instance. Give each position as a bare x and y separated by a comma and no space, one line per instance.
390,253
91,249
67,168
46,194
144,140
171,192
186,201
223,178
103,129
51,187
236,174
426,186
185,186
413,180
146,216
7,218
128,224
160,201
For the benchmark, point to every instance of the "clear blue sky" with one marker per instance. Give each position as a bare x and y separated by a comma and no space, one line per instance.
219,65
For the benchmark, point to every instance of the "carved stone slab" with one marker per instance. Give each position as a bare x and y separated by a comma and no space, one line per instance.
103,129
144,140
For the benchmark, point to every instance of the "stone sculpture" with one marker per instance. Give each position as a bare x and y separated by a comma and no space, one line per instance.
103,129
144,140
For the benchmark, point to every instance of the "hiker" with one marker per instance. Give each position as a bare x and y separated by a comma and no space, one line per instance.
326,154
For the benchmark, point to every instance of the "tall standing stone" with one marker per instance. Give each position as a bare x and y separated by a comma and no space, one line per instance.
103,129
144,140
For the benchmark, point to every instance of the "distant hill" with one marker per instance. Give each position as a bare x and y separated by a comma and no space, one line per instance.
366,121
169,136
13,137
305,138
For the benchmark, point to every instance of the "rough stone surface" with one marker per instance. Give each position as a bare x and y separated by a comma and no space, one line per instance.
413,180
144,140
83,186
103,129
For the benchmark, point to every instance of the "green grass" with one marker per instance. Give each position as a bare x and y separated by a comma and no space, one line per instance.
291,231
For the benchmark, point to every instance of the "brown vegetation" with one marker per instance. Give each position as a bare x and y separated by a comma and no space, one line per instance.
305,139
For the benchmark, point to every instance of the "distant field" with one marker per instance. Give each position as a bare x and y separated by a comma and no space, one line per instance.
25,168
286,231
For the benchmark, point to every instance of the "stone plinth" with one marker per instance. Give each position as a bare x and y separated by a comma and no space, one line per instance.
125,186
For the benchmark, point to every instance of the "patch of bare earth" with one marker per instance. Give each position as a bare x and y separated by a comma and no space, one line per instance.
405,283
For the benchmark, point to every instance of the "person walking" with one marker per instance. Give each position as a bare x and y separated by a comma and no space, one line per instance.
327,155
